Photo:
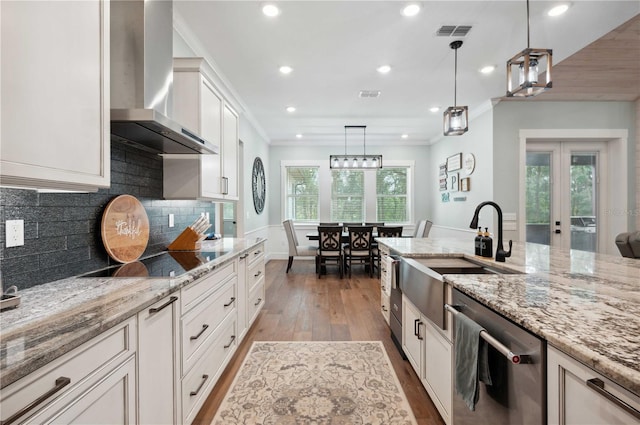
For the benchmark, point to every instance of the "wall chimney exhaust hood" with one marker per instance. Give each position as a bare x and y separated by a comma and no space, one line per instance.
142,80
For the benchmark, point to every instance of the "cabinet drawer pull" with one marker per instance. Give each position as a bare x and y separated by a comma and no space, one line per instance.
384,308
204,328
230,302
259,301
233,338
258,274
242,257
257,252
597,385
204,379
167,304
61,382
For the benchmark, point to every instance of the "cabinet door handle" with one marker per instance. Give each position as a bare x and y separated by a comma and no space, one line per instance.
416,328
259,301
61,382
204,328
204,379
167,304
257,253
225,180
384,308
597,385
230,302
242,257
258,274
233,338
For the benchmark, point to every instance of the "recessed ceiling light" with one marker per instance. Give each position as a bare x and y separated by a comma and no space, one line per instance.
434,109
384,69
558,10
291,109
299,136
285,69
488,69
411,9
270,10
404,136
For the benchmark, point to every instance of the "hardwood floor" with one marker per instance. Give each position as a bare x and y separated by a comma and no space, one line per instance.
301,307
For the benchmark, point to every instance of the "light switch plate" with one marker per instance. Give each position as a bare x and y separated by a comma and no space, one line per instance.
171,220
14,231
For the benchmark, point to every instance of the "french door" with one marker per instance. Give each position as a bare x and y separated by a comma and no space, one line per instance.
563,181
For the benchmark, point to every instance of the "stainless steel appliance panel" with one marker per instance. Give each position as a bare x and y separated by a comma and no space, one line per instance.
518,393
424,288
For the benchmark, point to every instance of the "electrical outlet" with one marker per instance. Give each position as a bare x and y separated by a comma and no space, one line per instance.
171,220
206,215
14,231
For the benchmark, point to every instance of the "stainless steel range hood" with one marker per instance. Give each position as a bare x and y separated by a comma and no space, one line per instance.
142,80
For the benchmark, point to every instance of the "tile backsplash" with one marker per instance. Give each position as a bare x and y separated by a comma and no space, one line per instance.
62,230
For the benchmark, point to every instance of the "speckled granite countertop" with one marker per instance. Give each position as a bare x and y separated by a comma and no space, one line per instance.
585,304
56,317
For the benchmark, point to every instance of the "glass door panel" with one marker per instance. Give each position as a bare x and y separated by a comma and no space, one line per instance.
584,235
538,198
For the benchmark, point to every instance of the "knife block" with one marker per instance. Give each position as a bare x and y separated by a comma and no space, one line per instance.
188,240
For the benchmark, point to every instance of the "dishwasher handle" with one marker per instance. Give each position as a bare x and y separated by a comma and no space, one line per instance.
502,349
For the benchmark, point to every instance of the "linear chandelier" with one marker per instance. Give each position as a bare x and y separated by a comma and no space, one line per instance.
526,65
456,118
351,162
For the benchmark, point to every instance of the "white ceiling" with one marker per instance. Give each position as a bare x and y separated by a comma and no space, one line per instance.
336,46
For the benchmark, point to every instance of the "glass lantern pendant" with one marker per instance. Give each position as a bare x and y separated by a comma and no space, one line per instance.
455,118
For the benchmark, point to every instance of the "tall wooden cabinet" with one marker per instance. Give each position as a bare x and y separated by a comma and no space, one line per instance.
55,94
199,106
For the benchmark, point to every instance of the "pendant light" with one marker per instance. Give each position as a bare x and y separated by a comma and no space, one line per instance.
526,67
456,118
363,161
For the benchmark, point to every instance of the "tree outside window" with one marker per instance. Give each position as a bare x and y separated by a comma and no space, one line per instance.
347,196
303,194
391,190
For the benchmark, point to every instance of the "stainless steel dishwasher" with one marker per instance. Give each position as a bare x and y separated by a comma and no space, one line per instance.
517,363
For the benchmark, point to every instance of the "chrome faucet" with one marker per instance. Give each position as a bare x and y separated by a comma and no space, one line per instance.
501,254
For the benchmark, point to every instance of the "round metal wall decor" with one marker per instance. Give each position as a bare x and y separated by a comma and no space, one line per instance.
258,185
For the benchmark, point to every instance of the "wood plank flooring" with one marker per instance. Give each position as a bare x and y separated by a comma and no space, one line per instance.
301,307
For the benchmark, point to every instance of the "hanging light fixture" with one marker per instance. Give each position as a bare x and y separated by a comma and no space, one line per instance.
351,162
526,66
456,118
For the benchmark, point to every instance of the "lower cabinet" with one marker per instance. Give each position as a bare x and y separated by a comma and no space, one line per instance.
158,362
94,383
430,355
576,394
385,283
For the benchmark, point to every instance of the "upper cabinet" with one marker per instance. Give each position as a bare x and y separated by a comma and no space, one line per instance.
54,113
198,105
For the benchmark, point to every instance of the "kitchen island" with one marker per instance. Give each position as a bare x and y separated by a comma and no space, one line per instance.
54,318
585,304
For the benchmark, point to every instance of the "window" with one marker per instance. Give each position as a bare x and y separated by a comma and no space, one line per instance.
347,196
391,191
302,194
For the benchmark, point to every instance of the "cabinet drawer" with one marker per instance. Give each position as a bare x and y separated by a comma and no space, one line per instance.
203,320
385,306
256,254
256,301
197,384
193,293
255,274
80,367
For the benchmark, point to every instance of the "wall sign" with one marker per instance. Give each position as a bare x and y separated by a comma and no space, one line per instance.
454,162
469,163
258,185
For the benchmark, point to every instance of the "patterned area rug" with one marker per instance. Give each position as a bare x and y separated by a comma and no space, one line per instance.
315,383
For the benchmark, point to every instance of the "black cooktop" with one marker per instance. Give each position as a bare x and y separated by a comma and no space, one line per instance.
165,264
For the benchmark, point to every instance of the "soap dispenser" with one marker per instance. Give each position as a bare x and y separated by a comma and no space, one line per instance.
478,242
487,244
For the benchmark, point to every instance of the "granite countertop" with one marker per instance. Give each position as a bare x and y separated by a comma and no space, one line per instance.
54,318
585,304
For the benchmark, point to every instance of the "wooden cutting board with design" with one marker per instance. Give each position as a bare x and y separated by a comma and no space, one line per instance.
125,229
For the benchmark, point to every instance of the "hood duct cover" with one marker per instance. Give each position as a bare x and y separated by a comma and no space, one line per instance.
142,80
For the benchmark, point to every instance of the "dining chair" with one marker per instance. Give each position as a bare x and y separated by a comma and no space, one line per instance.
330,224
375,226
359,248
384,232
330,248
296,250
422,229
347,225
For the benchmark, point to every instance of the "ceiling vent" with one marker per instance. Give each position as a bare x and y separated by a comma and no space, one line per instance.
453,30
369,93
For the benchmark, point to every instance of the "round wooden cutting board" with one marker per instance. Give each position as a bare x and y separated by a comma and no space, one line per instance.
125,229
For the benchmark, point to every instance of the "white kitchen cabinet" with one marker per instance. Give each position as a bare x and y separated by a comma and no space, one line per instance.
255,283
199,106
242,296
570,400
385,283
55,94
430,354
158,362
94,383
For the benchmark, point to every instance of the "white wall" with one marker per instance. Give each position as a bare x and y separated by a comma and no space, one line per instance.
254,146
451,219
